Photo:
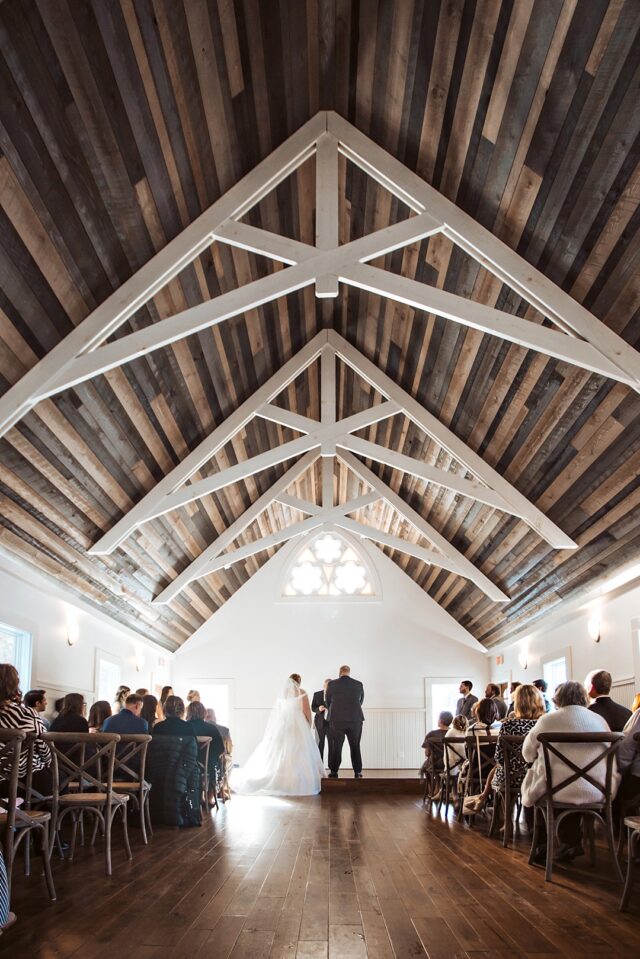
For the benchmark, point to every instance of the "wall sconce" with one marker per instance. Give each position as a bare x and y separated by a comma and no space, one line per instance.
593,629
140,660
522,661
73,632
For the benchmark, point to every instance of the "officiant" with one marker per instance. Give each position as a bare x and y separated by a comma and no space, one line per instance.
319,708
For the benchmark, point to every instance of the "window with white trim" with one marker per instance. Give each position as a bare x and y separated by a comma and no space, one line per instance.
15,648
329,566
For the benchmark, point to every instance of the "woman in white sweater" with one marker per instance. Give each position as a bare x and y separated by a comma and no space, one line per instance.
571,716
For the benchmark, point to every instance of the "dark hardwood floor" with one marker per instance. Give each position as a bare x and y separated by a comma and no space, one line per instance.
337,877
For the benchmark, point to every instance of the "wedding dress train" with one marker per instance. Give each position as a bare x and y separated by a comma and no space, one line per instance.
287,761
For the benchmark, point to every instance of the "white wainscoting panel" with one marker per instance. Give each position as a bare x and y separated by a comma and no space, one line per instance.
391,738
623,691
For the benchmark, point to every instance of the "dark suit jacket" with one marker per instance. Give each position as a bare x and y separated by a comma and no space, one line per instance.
465,704
345,697
172,726
127,723
320,719
69,723
613,713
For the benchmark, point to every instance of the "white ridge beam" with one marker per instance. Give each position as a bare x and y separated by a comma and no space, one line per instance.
327,207
424,471
484,246
519,505
208,448
160,269
452,558
195,569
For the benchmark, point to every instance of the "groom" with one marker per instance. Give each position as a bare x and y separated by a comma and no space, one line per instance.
344,697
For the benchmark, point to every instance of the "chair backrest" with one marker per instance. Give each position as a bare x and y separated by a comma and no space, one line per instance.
437,753
572,769
511,747
204,742
454,752
31,795
131,757
83,759
11,741
481,751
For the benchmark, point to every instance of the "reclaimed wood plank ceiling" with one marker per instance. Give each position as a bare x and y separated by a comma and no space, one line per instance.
121,121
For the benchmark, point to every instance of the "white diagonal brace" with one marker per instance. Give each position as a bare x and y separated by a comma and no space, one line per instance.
294,421
301,505
519,505
484,246
160,269
208,448
393,542
452,558
211,553
424,471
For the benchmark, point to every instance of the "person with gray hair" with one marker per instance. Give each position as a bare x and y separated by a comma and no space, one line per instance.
433,746
571,716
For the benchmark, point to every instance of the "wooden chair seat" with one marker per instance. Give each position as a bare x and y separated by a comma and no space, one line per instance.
76,799
632,822
39,815
126,786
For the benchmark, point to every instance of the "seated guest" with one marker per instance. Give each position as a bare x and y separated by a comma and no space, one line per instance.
635,705
527,710
36,699
196,714
628,757
164,695
193,696
128,721
57,706
71,719
99,712
173,724
149,710
493,692
142,692
455,753
15,715
121,694
433,745
613,713
224,730
485,718
571,716
512,688
467,700
542,686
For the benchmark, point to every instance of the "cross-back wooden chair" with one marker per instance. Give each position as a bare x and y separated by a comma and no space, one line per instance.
507,797
204,744
481,750
632,825
627,807
553,810
16,824
433,783
128,776
83,765
454,758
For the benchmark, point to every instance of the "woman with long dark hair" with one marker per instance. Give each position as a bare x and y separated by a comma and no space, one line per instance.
164,695
98,714
71,717
149,710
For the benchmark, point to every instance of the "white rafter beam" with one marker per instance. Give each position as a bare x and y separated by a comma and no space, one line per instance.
424,471
160,269
208,448
484,246
327,195
393,542
451,559
518,505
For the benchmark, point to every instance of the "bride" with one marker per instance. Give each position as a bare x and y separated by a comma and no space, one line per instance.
287,761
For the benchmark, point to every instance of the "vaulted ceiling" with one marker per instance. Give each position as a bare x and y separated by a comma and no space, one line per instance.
121,122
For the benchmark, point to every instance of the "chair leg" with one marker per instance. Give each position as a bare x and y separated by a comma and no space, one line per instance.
551,833
611,842
147,812
626,892
534,837
107,839
74,832
125,827
143,828
27,855
46,862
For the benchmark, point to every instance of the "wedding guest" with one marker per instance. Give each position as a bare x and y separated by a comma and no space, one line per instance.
224,730
527,710
164,695
571,716
128,721
149,710
628,758
512,688
57,705
467,700
121,694
542,685
635,705
99,712
15,715
196,719
486,716
193,696
142,692
36,699
433,745
614,714
493,692
174,723
7,918
71,718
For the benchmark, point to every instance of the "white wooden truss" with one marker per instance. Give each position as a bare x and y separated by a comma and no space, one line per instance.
330,438
578,338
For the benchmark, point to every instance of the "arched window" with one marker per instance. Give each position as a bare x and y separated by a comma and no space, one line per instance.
329,565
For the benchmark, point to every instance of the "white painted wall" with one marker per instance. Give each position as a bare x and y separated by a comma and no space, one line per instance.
33,603
618,650
257,639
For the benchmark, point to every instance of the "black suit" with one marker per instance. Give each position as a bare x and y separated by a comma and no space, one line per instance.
344,697
613,713
320,719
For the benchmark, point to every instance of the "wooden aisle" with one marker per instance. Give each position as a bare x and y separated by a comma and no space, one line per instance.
324,878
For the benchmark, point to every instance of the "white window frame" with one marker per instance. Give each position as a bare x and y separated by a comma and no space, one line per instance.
24,653
359,549
109,657
564,653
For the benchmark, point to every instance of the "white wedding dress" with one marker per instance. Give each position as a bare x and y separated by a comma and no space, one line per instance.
287,761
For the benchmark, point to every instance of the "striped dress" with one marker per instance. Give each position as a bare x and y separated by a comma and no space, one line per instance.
18,716
4,892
